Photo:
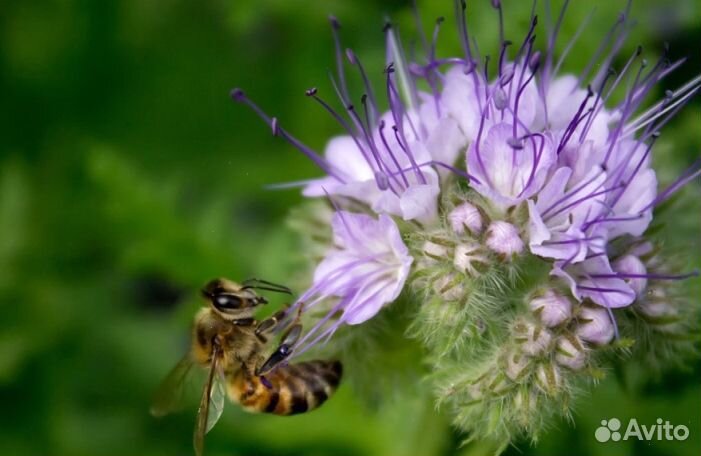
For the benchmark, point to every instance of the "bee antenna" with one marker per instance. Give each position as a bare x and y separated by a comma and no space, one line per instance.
276,290
259,284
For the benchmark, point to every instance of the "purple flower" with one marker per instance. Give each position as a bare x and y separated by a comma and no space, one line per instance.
595,326
364,271
594,278
464,216
552,308
503,238
393,179
543,164
509,170
391,161
558,215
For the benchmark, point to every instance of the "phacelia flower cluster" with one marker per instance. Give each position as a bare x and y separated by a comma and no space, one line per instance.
465,177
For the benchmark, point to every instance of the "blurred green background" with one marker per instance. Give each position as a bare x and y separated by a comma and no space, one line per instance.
128,178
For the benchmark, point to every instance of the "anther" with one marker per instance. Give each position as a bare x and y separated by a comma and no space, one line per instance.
334,22
500,99
507,76
351,56
417,69
515,143
237,94
310,92
382,181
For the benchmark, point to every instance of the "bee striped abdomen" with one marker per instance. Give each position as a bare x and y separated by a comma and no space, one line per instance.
290,390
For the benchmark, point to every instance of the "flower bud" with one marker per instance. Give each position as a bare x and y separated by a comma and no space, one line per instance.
534,338
642,249
466,215
595,325
570,353
503,238
656,304
548,377
467,257
516,364
630,266
552,308
475,390
525,401
434,250
449,287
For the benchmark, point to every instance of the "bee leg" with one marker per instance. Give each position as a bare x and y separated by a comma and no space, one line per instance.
283,351
244,321
269,325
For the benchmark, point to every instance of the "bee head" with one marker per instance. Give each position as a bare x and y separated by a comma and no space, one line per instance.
230,299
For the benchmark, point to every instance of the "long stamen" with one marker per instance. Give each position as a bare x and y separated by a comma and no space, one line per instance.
497,5
585,198
374,112
335,26
381,129
613,86
592,112
313,94
460,7
570,44
239,96
536,159
651,276
680,96
688,176
397,111
574,123
615,48
608,38
552,37
533,66
625,112
395,55
409,155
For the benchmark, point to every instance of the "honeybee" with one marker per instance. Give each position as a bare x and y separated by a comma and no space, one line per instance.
228,343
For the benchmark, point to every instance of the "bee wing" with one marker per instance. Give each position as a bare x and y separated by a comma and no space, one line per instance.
211,404
172,392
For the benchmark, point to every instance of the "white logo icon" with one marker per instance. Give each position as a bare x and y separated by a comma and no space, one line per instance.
663,430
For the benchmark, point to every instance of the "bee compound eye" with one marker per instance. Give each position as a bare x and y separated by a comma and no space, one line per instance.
226,301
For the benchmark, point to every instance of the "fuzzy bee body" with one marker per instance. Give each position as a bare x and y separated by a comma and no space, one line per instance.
288,390
231,345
